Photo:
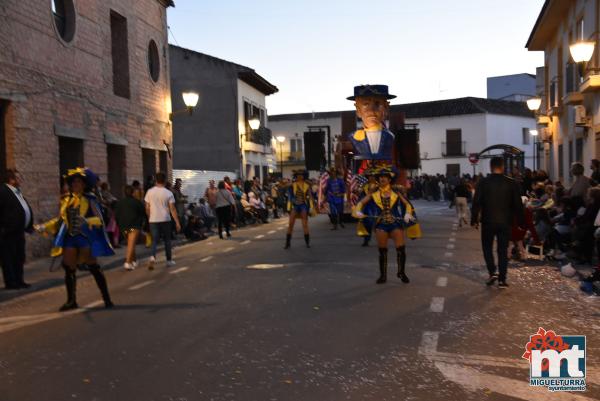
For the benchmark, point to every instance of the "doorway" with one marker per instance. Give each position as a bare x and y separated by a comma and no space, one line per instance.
70,154
148,166
117,169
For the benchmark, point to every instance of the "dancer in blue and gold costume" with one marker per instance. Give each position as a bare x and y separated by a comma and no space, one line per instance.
365,227
79,234
335,190
391,213
300,204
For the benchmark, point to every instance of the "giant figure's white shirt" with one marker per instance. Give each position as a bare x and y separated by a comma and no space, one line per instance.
374,138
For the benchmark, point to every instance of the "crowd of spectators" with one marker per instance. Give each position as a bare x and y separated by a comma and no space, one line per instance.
561,223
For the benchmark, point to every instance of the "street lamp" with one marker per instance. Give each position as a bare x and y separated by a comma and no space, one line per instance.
281,140
190,99
254,123
534,133
534,103
582,52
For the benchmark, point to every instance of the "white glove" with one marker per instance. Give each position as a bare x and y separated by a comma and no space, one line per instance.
408,218
360,215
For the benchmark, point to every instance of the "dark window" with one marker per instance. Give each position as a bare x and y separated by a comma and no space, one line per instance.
526,135
117,169
64,18
454,144
120,54
70,154
579,150
561,161
163,161
452,170
153,61
256,172
265,172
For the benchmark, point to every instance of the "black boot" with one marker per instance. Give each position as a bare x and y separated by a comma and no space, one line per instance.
401,255
288,241
71,284
334,227
307,240
366,241
101,282
340,221
382,266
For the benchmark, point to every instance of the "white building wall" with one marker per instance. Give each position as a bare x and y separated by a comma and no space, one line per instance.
253,154
508,130
433,135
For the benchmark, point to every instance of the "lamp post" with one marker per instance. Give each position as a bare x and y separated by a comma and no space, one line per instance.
190,99
281,140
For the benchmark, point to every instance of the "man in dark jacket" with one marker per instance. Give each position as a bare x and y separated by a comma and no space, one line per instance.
496,204
16,218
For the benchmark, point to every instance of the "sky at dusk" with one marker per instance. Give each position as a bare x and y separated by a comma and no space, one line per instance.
316,51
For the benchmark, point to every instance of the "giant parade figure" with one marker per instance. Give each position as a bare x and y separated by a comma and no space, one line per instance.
384,210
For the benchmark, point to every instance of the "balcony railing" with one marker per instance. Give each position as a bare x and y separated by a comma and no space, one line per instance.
261,136
454,149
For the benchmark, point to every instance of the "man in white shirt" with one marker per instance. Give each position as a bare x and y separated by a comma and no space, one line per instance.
160,207
16,218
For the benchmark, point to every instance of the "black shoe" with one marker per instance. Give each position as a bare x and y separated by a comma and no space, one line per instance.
334,228
491,280
365,242
288,241
24,285
502,284
381,280
403,277
68,306
307,240
342,225
11,287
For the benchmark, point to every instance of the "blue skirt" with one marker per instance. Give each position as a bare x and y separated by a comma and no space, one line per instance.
76,241
389,227
298,209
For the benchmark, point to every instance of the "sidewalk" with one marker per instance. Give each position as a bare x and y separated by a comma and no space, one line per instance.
38,274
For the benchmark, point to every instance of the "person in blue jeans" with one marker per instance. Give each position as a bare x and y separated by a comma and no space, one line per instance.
160,208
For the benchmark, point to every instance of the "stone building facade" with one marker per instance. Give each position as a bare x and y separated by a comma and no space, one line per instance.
83,82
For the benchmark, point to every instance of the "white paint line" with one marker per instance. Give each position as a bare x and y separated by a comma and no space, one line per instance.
452,239
448,254
141,285
442,281
437,304
265,266
476,381
445,264
228,249
429,342
453,234
245,242
280,228
450,246
272,232
209,243
206,259
180,270
259,236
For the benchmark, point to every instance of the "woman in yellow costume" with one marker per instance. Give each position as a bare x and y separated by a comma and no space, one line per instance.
391,213
79,234
300,204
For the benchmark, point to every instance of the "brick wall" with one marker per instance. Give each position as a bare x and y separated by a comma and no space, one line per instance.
53,86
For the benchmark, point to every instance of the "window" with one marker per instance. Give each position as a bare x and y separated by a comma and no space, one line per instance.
579,150
153,61
561,162
120,54
63,12
454,144
526,136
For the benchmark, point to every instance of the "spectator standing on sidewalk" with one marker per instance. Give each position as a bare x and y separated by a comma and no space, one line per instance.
211,195
180,200
225,207
581,183
461,196
160,207
595,166
16,218
497,202
130,216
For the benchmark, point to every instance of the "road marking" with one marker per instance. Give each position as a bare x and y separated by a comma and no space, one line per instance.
450,246
228,249
437,304
280,228
448,254
272,232
429,342
180,270
442,281
452,239
265,266
453,234
209,243
245,242
206,259
446,264
259,236
141,285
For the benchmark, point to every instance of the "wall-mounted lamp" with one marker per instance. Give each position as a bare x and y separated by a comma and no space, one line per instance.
582,52
190,99
534,103
254,123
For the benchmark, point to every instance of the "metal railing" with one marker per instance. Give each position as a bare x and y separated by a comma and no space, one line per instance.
454,149
261,136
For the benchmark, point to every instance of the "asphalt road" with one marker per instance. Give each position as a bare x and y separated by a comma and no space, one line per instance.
244,319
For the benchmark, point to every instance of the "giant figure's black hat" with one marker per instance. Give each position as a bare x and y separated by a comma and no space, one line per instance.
371,90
